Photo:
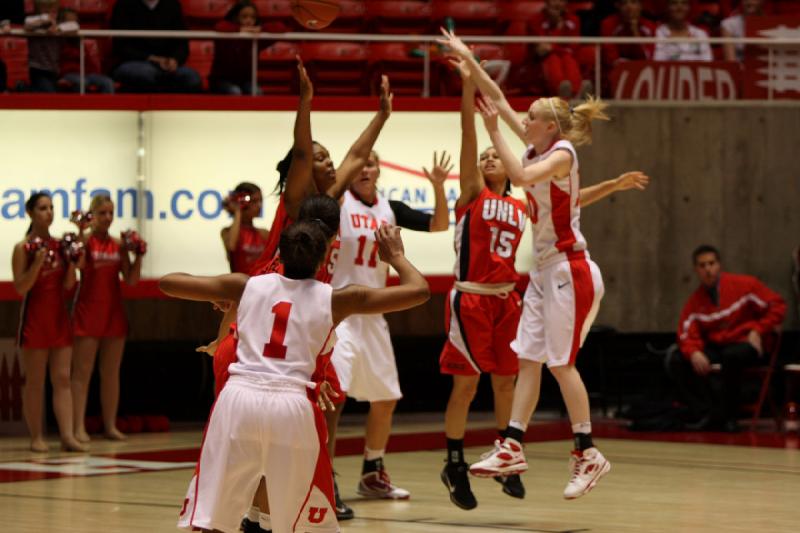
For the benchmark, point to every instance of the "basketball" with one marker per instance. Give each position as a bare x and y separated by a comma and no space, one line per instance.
315,14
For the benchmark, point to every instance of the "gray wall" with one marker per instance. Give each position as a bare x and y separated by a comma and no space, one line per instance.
727,176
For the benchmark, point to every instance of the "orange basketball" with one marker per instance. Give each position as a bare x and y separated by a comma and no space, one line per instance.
315,14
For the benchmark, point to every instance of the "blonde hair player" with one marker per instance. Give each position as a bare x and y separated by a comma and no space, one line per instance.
565,287
98,318
264,423
483,306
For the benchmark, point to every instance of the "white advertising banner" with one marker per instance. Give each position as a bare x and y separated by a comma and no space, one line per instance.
192,159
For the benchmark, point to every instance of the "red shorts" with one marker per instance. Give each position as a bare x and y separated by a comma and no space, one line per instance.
325,371
480,330
99,319
224,355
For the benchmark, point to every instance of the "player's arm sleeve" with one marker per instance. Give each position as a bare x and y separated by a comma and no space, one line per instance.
410,218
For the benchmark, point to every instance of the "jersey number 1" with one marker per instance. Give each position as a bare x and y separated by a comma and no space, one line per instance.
275,347
362,244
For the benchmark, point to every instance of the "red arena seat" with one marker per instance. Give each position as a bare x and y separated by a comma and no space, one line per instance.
203,14
337,67
201,57
471,17
276,68
399,17
14,53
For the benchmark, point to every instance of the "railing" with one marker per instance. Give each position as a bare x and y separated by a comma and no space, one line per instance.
426,40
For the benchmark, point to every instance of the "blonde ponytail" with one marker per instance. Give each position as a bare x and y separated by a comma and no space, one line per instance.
574,125
581,118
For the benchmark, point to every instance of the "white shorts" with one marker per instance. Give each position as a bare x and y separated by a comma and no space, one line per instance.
270,429
558,309
364,359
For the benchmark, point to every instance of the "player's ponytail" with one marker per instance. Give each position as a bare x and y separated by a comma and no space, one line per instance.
302,249
324,211
283,169
574,125
580,131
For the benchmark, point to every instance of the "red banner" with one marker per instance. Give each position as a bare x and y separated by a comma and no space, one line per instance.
779,73
676,80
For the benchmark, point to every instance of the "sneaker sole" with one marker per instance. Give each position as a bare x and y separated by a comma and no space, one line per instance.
374,496
453,499
506,471
605,469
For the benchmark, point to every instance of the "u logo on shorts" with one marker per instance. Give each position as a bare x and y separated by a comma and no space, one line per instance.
317,514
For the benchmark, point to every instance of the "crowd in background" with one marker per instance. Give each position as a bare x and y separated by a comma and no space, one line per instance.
566,70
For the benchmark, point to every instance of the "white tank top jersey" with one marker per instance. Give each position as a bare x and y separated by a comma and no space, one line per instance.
358,262
283,325
555,211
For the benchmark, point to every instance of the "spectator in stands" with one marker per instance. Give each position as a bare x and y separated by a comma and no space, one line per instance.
560,66
627,22
44,52
678,25
70,76
231,72
733,26
727,320
145,65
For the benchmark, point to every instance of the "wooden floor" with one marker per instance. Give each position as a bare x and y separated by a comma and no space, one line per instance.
652,487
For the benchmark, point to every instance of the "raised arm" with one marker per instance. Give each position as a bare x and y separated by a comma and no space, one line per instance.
630,180
413,290
469,175
227,287
440,221
486,85
25,275
357,156
555,166
299,177
230,235
131,272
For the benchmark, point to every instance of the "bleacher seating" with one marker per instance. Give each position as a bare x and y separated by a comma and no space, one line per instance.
337,67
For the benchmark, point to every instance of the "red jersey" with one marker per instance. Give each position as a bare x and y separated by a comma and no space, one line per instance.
279,223
249,247
44,320
98,310
571,27
743,304
488,232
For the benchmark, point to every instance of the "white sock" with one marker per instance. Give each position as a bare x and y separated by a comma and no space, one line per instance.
264,521
371,455
519,425
252,514
582,427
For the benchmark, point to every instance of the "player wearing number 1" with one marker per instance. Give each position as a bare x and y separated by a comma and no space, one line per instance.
263,424
363,356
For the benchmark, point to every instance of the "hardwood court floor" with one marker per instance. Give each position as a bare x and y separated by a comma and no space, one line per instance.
652,487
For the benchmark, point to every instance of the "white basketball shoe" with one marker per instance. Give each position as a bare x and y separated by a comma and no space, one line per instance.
587,468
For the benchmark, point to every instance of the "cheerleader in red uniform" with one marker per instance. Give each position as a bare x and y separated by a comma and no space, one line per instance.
99,319
43,277
244,243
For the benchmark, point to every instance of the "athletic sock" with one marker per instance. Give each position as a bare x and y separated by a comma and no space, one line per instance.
370,454
455,451
372,465
582,433
264,522
502,434
512,432
253,513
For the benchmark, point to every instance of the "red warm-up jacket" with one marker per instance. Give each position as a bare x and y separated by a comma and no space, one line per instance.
745,304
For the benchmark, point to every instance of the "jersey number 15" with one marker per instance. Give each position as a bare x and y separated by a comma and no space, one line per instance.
502,242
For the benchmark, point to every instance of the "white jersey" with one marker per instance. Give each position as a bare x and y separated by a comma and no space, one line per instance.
283,325
358,262
554,209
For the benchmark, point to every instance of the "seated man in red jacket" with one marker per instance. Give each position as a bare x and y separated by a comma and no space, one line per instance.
727,320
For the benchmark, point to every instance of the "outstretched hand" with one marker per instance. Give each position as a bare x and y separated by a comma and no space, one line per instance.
489,113
326,393
455,44
390,245
386,96
440,170
632,180
306,87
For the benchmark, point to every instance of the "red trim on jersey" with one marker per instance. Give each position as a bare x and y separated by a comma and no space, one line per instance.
561,213
583,288
323,471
